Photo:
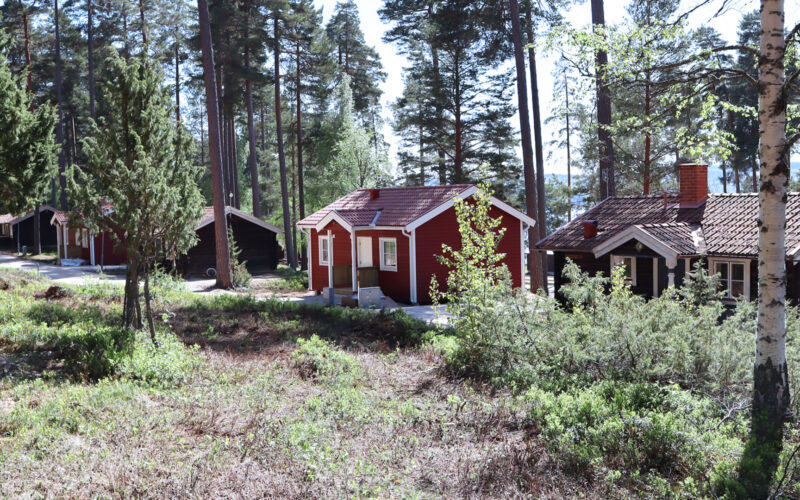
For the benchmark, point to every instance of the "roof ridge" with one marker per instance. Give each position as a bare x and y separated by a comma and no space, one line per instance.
440,186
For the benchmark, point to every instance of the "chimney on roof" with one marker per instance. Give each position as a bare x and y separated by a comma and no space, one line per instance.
374,194
589,229
694,184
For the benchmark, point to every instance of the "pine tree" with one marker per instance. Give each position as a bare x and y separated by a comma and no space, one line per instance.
139,183
27,148
357,59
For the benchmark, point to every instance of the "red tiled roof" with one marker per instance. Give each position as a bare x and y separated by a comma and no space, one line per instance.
61,217
208,218
726,224
398,206
614,215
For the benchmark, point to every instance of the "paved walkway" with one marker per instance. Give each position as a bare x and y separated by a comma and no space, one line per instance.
82,275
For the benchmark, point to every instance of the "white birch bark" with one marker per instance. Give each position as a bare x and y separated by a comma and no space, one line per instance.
771,387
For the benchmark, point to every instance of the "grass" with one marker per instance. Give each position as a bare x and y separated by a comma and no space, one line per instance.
254,398
277,400
283,279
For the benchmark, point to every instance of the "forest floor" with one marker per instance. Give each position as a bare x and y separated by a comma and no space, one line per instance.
254,410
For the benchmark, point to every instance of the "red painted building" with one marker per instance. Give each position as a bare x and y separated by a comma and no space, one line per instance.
393,236
78,242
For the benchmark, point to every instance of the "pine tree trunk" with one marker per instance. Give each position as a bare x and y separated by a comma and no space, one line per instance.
148,303
60,124
569,157
251,129
131,315
144,25
177,79
291,255
647,161
90,56
539,148
770,408
224,277
300,179
603,111
534,263
234,166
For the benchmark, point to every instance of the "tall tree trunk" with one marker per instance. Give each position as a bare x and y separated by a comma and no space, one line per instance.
60,124
28,70
569,154
534,264
291,255
647,160
754,164
234,167
37,231
177,78
131,312
770,408
603,109
724,176
300,180
90,55
437,84
125,47
539,148
252,163
143,24
148,306
224,277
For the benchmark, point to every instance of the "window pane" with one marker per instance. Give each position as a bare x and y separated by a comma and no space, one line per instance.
628,263
737,288
390,253
722,269
737,272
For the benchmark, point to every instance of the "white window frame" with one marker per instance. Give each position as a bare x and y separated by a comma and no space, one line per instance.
84,238
324,251
712,269
617,260
383,265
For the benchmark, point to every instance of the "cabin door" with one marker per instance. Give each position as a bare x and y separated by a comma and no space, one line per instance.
364,251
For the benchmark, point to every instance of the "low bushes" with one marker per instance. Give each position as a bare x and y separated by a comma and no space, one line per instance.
320,359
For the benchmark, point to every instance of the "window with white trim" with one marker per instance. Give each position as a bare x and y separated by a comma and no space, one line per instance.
734,277
324,258
85,238
630,267
388,248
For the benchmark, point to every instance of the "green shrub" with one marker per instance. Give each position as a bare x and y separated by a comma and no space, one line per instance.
638,429
316,358
241,276
168,363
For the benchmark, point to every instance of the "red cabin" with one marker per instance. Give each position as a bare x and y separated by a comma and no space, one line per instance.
393,236
78,242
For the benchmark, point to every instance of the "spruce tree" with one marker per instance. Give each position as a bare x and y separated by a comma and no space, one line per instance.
139,182
27,148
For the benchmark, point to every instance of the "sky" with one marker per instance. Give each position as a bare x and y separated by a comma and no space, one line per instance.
579,16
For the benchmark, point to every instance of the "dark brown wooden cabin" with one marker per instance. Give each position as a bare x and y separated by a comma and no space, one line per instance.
256,239
22,229
659,238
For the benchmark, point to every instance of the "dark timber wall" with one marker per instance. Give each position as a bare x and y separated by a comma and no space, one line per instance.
23,231
259,247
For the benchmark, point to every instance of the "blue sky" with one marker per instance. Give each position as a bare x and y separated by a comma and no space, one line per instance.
579,15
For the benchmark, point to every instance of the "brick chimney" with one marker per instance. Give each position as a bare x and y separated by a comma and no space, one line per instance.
374,194
694,184
589,229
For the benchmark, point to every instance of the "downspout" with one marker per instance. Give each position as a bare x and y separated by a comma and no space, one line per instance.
306,231
330,261
412,267
353,269
523,228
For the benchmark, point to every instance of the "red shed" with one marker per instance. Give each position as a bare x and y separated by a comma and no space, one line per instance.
78,242
394,235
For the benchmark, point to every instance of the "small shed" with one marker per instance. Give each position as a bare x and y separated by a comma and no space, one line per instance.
22,229
390,238
257,240
77,242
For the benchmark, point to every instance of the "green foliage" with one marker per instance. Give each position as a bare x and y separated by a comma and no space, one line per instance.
478,280
241,276
646,431
139,179
167,363
27,146
320,359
